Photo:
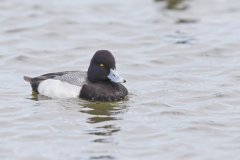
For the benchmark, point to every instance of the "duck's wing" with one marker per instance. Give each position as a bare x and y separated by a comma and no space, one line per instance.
72,77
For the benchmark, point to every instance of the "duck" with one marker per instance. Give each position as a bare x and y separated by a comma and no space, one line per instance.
101,82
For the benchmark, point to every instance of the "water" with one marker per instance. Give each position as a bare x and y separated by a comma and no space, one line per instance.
181,62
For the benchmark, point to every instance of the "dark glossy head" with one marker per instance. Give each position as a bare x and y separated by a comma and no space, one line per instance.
102,68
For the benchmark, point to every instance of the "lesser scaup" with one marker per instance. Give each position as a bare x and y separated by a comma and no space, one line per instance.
100,83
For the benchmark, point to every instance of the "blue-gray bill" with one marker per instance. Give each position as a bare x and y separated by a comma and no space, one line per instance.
115,77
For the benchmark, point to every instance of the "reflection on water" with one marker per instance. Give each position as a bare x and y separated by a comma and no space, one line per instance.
102,117
37,97
103,112
102,157
99,112
174,4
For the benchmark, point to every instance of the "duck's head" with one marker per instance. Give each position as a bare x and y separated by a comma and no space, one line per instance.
103,68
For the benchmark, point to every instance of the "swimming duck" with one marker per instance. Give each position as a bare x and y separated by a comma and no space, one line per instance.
100,83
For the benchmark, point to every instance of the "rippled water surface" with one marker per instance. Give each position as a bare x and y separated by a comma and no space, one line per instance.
181,62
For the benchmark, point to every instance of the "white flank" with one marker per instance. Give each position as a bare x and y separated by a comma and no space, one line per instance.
58,89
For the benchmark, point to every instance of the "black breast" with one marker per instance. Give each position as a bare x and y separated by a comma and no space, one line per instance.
103,91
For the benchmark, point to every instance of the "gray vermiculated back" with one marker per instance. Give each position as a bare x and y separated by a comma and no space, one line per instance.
74,78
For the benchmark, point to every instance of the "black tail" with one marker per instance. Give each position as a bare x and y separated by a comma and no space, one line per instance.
26,78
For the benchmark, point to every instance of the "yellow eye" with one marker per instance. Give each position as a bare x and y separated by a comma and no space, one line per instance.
101,65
